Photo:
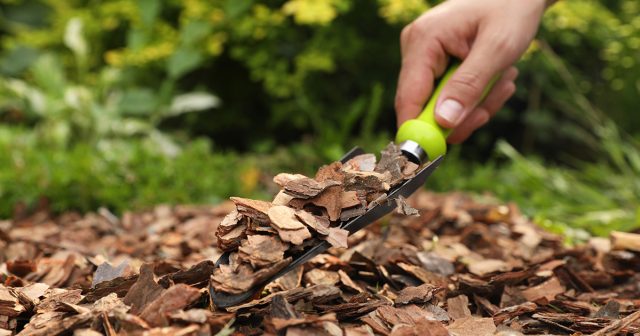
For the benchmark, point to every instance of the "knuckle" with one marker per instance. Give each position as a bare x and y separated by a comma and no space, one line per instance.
467,83
406,31
505,44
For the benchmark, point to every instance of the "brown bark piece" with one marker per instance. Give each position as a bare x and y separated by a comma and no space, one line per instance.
283,178
106,272
9,304
513,311
262,251
196,315
232,239
291,279
458,307
198,275
282,198
321,277
295,237
331,200
546,290
472,325
337,237
331,171
34,291
392,162
349,213
422,327
306,188
488,266
404,209
348,282
144,291
54,323
420,294
173,299
229,222
409,169
290,229
625,241
54,296
21,267
118,285
366,182
362,162
252,208
349,199
225,279
284,218
318,224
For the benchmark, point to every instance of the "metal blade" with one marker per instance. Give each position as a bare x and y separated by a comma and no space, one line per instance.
405,189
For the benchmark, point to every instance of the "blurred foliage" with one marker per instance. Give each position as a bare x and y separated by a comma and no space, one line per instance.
126,174
97,102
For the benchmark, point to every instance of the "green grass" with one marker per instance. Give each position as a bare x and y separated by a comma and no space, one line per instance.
594,198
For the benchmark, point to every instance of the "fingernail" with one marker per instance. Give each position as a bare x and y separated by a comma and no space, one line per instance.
450,110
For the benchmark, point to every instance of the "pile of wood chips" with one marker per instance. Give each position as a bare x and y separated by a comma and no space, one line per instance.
463,267
264,237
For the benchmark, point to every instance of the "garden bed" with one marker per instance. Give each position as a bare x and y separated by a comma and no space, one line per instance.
464,267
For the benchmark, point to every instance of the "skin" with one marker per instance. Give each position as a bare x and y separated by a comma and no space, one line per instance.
489,36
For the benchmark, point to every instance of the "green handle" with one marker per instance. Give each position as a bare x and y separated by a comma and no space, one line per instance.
424,130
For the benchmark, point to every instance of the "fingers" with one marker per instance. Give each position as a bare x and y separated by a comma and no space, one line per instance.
423,58
502,91
462,93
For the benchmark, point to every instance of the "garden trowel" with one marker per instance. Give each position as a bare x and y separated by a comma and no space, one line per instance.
421,140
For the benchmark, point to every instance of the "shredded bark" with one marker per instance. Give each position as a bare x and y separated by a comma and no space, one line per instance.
463,267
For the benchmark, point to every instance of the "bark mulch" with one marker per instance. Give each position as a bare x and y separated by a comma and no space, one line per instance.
442,264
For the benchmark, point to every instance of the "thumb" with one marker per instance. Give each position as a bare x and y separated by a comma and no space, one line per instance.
464,89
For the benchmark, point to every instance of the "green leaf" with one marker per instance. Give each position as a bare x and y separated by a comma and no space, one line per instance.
149,10
17,60
49,75
74,39
183,61
137,39
194,32
138,101
193,102
235,8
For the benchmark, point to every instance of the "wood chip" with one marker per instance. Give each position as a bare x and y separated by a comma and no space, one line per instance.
283,178
625,241
252,208
458,307
321,277
316,223
404,209
262,251
338,237
420,294
362,162
290,229
472,325
171,300
306,188
546,290
144,291
106,272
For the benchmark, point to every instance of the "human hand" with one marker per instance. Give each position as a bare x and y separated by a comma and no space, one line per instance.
488,36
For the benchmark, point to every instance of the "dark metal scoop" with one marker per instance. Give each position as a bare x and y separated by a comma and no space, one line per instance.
223,300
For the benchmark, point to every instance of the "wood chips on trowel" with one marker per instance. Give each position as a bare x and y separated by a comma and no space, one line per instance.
264,236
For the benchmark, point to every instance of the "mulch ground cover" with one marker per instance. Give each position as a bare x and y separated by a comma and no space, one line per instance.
464,266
